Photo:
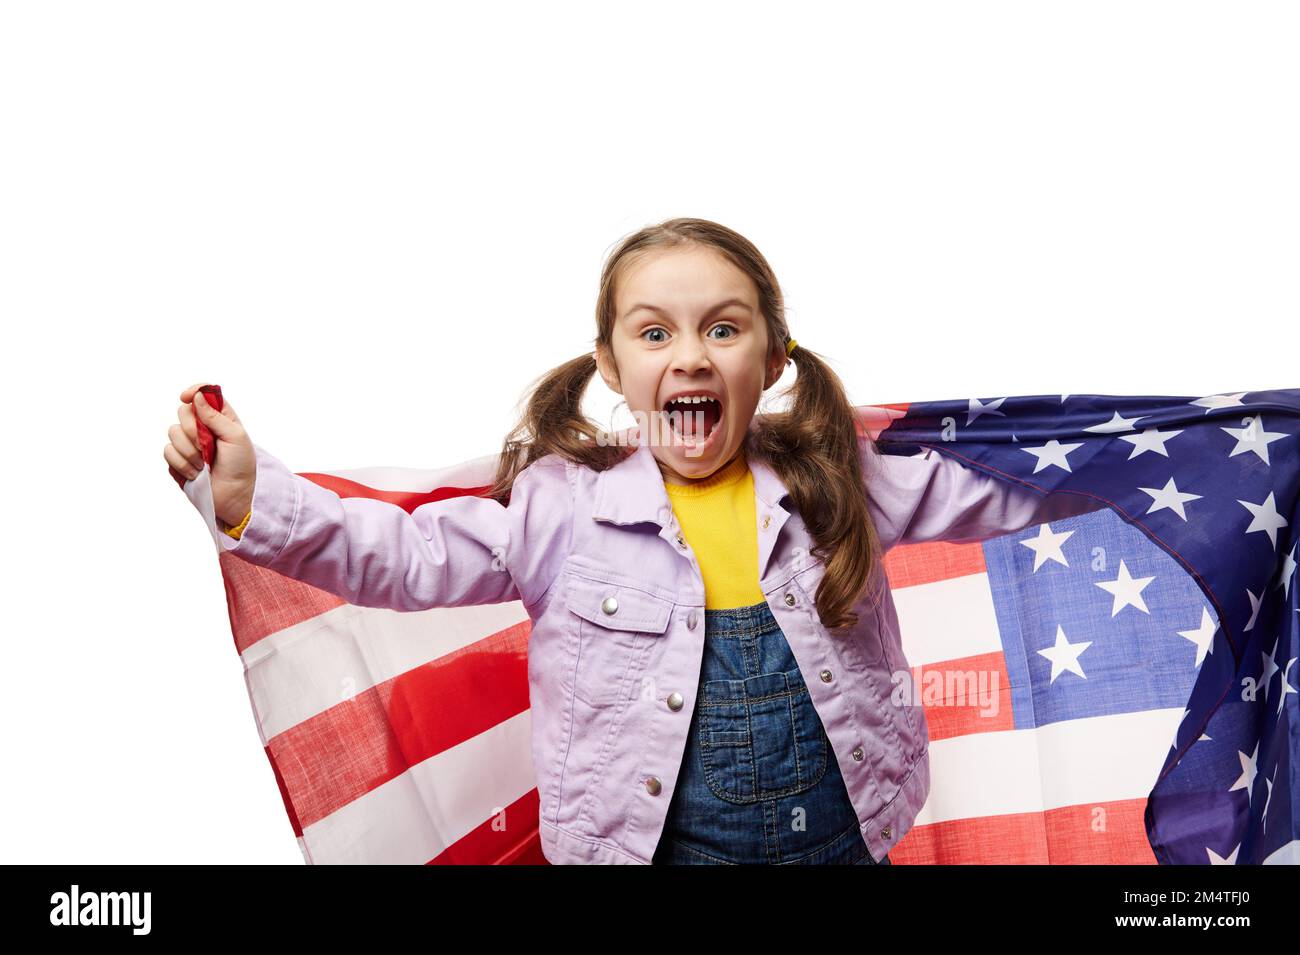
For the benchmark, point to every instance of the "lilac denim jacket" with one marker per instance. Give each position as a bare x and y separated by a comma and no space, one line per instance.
616,601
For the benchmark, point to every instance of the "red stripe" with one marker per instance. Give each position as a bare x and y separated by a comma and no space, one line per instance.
510,838
910,564
406,500
261,602
871,420
900,406
1105,833
949,692
339,755
284,794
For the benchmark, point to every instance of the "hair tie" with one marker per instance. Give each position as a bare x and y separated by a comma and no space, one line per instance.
790,347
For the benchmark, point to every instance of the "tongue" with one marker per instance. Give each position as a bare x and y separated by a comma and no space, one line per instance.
706,415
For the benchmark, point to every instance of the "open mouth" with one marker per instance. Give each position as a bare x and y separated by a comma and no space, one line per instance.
693,418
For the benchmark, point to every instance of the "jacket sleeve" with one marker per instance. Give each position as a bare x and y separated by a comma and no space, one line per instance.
456,552
933,497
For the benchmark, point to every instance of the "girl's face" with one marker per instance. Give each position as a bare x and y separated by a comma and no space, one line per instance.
687,322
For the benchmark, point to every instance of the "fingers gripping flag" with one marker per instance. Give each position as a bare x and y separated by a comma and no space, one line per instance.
1119,686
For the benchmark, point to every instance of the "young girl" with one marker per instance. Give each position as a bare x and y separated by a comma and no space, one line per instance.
715,666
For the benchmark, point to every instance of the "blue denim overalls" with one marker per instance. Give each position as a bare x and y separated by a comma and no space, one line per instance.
758,783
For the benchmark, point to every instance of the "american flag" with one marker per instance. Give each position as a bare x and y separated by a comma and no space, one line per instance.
1116,687
1145,653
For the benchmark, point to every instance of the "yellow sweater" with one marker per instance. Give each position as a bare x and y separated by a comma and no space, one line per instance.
717,518
237,529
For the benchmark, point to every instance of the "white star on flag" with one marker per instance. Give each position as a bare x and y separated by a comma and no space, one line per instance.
1202,636
1211,402
1247,778
1047,546
1216,859
1116,424
1126,590
1270,667
978,408
1169,497
1053,452
1255,603
1065,655
1286,685
1253,437
1288,569
1151,439
1263,813
1266,518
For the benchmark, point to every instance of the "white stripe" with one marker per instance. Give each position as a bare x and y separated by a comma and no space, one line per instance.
303,670
412,818
1071,763
472,473
947,619
199,491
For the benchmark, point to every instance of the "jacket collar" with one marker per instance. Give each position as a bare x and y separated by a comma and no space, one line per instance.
632,491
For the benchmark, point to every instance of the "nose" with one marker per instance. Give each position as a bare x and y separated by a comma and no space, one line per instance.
690,355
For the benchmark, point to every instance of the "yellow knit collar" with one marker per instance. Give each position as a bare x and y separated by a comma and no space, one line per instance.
734,472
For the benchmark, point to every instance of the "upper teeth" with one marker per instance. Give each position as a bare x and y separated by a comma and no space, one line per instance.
693,399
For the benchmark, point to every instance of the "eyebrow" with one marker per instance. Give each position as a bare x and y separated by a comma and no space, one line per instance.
712,311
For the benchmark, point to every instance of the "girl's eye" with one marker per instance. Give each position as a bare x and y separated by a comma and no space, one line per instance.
659,331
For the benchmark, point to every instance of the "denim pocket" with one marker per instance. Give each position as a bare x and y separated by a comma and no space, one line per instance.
760,738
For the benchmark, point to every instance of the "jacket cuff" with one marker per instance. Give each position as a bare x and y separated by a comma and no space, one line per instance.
276,497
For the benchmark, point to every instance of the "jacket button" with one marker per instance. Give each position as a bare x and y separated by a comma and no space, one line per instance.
767,519
680,543
674,701
609,605
691,620
886,832
826,676
652,785
857,753
789,600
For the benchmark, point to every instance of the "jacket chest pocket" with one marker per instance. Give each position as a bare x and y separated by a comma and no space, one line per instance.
615,628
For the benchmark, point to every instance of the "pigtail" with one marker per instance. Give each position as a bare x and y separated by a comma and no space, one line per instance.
553,422
815,449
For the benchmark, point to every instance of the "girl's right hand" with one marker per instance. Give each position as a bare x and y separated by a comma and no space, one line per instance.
234,472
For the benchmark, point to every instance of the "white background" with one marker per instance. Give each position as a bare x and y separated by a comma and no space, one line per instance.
375,223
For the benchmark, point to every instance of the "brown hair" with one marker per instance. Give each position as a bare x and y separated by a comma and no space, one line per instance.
813,447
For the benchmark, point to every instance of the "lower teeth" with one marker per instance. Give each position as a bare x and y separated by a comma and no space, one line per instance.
693,438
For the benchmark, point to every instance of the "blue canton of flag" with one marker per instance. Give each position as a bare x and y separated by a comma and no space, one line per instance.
1180,598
